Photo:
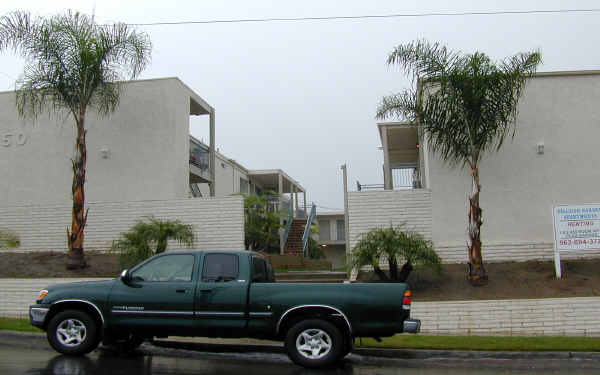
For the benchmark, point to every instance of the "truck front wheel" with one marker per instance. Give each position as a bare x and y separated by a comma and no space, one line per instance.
314,343
72,332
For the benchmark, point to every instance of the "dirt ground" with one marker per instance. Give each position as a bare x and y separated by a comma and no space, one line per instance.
52,264
532,279
509,280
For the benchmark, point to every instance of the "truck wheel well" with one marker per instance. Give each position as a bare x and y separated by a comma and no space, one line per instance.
75,305
304,313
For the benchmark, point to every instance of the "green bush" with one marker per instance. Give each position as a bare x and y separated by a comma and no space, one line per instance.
313,250
394,245
261,225
9,239
150,237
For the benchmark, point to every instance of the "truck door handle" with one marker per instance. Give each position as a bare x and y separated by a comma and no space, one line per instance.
181,291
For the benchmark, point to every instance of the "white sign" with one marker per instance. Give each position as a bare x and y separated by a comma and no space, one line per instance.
576,228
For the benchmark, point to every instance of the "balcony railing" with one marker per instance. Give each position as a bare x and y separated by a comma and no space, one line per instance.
199,156
402,178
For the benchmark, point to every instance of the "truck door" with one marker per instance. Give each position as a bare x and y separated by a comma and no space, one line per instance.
159,294
221,295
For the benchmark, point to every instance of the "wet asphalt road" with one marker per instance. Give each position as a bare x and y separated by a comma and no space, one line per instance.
22,357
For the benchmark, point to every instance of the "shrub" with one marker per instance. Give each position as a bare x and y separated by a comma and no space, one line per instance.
147,238
9,239
261,222
394,245
313,250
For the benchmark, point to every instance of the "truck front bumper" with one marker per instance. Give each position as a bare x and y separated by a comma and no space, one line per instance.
411,326
37,315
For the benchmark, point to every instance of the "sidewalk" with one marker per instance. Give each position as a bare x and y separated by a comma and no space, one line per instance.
211,345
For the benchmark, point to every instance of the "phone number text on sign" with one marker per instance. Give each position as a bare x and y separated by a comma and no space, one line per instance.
577,227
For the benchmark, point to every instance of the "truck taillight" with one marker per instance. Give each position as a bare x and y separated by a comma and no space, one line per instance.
406,300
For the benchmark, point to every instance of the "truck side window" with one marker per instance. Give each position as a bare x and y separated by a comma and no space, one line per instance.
259,270
166,268
220,267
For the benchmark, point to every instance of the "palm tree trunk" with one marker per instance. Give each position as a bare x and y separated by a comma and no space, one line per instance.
477,274
75,259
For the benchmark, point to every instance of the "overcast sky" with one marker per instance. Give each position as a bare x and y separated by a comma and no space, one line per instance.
301,96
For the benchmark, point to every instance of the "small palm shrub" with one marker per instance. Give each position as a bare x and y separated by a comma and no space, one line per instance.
394,245
149,237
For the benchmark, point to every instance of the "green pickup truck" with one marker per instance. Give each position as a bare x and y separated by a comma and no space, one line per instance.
229,294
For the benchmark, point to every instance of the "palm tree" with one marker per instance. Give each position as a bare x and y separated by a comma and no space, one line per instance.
466,105
72,64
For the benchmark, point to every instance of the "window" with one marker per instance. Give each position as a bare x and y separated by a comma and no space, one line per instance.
324,234
341,230
259,270
244,188
166,268
220,267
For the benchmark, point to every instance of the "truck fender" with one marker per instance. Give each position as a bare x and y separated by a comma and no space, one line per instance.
333,310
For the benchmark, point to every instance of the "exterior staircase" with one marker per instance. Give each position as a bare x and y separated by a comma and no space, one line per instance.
294,240
310,277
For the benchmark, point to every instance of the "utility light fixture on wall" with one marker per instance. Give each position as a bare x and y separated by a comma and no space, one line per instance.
104,153
540,148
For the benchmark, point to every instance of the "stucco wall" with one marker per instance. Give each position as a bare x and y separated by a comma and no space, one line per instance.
218,223
372,209
227,177
147,139
549,317
520,186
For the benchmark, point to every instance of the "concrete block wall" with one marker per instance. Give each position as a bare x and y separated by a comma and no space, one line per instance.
218,223
17,294
524,317
372,209
516,252
378,209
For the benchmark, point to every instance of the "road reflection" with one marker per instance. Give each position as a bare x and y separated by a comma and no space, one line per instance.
139,364
158,361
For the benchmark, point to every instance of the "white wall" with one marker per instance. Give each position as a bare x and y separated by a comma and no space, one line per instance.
518,317
378,209
218,223
147,138
519,186
227,177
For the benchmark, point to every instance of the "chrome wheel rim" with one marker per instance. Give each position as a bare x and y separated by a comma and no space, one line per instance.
313,343
71,332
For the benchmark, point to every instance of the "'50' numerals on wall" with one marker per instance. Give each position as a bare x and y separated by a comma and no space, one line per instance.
12,139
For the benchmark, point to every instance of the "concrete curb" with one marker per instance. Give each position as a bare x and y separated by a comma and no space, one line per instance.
406,354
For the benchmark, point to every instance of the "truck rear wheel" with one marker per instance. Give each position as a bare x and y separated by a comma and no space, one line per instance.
314,343
72,332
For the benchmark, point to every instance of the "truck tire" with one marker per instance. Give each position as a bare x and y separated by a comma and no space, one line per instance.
314,343
72,332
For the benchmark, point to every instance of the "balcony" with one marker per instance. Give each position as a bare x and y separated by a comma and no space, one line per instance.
199,162
402,178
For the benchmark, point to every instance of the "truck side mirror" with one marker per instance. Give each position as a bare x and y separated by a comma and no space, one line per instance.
125,276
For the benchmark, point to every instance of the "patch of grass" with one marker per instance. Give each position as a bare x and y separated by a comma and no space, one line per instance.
20,325
491,343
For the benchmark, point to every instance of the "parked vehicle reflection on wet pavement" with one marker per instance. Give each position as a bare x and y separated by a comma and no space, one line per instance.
16,360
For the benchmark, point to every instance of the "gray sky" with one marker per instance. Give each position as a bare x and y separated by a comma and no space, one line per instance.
301,96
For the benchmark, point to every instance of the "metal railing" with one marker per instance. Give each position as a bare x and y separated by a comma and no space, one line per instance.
402,178
309,220
288,227
199,156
